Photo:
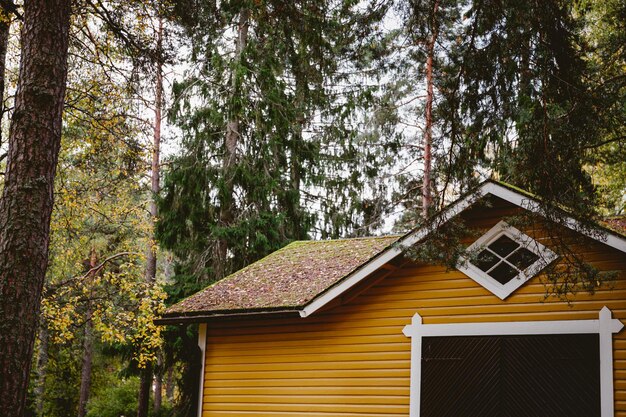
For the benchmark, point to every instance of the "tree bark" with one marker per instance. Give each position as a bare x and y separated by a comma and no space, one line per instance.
427,198
144,390
230,149
295,164
158,386
169,384
85,376
151,256
155,186
27,197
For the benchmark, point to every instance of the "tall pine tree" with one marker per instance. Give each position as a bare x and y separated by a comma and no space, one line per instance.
34,141
526,95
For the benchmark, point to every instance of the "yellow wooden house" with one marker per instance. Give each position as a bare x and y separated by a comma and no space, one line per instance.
355,328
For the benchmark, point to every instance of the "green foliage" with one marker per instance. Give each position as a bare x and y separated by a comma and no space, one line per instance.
532,94
62,380
520,97
605,34
118,400
327,105
299,167
610,179
184,354
99,220
99,213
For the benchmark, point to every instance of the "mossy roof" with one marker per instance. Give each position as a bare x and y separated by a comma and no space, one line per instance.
293,276
286,279
616,224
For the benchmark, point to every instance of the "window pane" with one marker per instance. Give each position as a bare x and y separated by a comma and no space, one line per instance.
485,260
522,258
504,246
503,273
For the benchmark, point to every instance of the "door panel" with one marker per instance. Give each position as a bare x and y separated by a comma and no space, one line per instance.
455,371
551,376
511,376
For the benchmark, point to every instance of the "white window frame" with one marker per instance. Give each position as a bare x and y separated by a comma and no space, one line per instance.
605,326
502,291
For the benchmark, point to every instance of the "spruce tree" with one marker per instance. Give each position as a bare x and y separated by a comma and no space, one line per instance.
269,151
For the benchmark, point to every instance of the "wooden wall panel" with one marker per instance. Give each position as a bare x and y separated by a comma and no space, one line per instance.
353,360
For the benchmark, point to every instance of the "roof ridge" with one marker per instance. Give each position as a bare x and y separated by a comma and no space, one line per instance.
346,238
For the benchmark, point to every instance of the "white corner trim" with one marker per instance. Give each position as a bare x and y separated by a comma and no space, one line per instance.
608,326
502,291
202,346
605,326
416,235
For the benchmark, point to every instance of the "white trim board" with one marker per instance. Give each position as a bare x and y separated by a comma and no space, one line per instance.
605,327
530,204
202,346
416,235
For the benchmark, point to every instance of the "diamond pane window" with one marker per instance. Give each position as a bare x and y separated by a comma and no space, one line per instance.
486,260
506,259
504,246
522,258
503,273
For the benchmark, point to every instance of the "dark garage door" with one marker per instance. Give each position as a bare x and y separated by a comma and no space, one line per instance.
511,376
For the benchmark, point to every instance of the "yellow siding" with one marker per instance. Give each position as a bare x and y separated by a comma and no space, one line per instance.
353,360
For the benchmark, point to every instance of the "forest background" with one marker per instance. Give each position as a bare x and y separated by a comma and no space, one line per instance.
283,121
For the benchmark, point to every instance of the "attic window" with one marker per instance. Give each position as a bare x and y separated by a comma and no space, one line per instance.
506,259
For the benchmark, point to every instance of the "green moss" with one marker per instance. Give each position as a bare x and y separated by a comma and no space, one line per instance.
287,278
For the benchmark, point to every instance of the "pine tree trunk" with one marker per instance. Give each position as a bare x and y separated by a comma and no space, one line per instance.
169,385
230,150
427,198
27,197
42,370
144,390
155,187
158,387
296,166
151,256
85,376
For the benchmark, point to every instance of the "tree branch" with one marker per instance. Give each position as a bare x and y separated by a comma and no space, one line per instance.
51,290
11,8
